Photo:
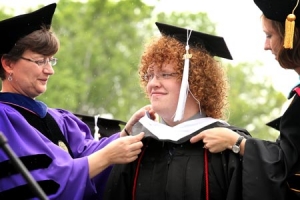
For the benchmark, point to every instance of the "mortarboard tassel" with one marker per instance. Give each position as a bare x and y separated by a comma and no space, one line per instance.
184,83
96,128
289,29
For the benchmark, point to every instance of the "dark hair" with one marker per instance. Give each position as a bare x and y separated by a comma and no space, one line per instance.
287,58
42,41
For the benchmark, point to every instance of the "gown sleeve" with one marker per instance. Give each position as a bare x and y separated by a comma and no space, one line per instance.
60,176
267,165
78,134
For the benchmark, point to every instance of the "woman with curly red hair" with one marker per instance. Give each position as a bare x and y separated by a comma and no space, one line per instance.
187,89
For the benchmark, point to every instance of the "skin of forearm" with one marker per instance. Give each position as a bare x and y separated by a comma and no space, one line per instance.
233,138
242,147
97,163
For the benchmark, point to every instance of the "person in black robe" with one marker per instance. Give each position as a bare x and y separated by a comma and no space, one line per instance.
271,169
187,89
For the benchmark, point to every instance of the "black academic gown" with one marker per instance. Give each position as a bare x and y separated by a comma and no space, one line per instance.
269,168
169,171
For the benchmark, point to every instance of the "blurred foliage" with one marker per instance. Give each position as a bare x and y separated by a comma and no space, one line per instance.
101,44
99,55
253,100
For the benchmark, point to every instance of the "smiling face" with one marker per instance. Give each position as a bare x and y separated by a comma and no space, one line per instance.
163,90
161,72
26,68
27,77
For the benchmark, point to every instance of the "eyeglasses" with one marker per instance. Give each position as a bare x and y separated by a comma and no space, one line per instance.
149,76
42,62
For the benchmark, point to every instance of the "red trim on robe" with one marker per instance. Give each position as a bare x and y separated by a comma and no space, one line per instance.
297,90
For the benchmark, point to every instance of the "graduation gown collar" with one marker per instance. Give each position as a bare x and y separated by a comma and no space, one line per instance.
196,116
292,92
37,107
176,134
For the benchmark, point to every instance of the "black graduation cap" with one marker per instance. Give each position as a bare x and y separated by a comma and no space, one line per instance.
12,29
107,127
278,10
274,123
214,44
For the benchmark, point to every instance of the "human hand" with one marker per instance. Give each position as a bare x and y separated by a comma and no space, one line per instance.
120,151
124,149
136,117
216,139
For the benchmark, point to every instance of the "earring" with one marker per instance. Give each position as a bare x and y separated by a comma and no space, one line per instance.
9,78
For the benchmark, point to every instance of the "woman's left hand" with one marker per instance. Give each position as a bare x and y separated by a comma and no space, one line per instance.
216,139
136,117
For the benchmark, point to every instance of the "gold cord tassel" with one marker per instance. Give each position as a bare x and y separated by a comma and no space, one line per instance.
289,31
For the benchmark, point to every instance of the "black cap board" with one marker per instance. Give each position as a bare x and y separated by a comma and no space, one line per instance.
278,10
107,127
12,29
215,45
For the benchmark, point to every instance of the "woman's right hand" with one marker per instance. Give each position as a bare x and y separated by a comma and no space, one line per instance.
120,151
124,149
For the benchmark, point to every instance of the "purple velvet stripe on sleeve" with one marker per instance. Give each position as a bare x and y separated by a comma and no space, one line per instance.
71,174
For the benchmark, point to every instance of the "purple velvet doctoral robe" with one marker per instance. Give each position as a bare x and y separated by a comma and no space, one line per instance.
60,175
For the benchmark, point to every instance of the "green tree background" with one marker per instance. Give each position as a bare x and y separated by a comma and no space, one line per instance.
101,44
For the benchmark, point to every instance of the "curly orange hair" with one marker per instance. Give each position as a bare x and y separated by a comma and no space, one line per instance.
207,78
